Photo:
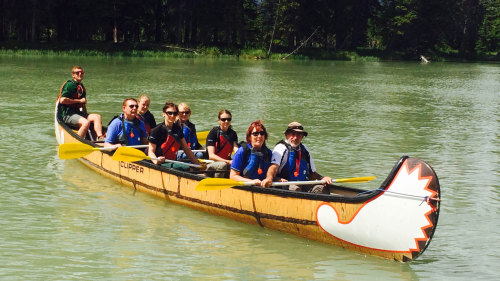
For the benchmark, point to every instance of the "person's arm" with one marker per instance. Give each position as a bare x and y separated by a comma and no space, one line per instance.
316,176
151,153
235,146
107,144
215,157
235,175
271,173
68,101
189,153
114,130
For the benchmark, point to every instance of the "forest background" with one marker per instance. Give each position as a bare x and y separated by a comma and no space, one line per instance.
318,29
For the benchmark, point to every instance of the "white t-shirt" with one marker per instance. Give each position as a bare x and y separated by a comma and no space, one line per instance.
281,153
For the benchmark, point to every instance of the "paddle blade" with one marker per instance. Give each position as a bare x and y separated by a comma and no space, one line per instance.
353,180
75,150
202,137
216,184
129,154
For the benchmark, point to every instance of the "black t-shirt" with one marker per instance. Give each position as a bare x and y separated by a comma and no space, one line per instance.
160,133
148,119
213,136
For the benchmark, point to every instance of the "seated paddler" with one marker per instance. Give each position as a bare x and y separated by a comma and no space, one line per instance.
252,159
189,130
167,138
292,161
144,114
222,141
126,128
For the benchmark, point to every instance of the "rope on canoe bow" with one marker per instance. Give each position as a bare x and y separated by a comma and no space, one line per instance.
423,198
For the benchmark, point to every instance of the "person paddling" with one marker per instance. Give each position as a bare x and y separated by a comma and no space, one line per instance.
222,140
144,114
252,160
167,138
126,129
189,130
292,161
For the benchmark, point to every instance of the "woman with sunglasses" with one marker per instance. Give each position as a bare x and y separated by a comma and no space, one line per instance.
253,158
222,140
126,128
189,130
144,114
167,138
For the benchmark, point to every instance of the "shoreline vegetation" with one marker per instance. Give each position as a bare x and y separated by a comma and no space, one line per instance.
150,50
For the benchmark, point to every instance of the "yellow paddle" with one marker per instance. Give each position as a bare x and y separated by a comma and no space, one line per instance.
128,154
202,137
77,150
221,183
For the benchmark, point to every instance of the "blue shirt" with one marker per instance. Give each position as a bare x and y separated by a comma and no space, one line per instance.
239,163
114,133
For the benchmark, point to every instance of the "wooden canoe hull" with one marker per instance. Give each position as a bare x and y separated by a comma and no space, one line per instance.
395,222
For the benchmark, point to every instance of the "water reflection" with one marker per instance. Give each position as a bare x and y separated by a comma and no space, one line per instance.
141,229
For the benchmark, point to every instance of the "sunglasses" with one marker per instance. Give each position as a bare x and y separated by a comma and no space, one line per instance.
225,119
185,112
174,113
262,133
79,72
133,105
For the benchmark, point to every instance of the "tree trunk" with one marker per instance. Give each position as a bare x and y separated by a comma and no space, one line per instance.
470,26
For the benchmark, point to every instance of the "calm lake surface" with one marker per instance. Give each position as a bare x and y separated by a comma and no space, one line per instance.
62,221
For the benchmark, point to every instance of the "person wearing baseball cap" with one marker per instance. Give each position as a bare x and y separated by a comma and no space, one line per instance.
292,161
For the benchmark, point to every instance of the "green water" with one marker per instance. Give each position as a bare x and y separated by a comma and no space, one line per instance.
62,221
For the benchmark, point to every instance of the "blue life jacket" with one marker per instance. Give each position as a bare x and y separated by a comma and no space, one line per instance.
296,157
131,129
257,162
189,136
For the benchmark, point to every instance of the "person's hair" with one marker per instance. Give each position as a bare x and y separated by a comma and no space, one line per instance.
76,67
185,105
127,99
224,111
257,125
170,104
143,96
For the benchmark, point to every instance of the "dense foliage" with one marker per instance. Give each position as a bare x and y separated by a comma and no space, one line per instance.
411,27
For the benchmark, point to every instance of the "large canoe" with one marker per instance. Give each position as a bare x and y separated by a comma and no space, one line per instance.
395,221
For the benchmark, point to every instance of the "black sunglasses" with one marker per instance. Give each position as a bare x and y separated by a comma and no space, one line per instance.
225,119
174,113
133,105
185,112
262,133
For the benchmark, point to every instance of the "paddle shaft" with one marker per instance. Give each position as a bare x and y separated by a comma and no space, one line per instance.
113,148
303,182
173,161
222,183
284,183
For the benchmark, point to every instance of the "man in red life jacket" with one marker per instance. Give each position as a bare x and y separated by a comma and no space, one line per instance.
292,161
72,105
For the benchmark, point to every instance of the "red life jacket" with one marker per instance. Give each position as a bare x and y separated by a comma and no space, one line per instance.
170,148
223,148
